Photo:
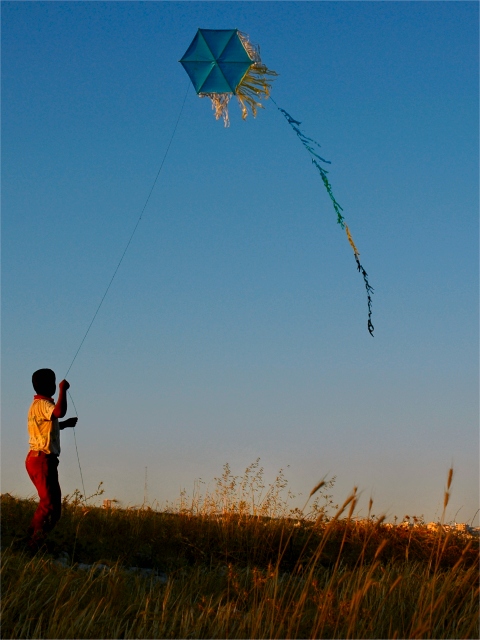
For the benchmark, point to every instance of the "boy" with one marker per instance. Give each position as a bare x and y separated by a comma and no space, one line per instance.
42,459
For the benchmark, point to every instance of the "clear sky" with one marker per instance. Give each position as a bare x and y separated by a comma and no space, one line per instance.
236,325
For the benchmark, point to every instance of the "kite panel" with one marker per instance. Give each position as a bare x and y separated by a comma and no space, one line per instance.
198,72
216,82
198,50
217,39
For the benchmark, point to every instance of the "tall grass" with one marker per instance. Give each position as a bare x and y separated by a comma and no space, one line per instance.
240,565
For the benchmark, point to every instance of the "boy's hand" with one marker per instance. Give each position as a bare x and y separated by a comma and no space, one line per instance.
71,422
61,407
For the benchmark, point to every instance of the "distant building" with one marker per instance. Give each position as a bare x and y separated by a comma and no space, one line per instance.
460,527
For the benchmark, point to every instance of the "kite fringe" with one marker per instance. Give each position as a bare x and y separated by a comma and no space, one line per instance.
255,85
253,50
307,143
219,105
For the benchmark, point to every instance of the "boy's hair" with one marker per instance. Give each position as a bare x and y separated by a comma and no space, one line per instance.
42,381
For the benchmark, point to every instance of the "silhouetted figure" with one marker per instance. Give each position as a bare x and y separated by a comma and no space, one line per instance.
42,459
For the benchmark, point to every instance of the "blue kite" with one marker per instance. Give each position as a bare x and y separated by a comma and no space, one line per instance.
222,63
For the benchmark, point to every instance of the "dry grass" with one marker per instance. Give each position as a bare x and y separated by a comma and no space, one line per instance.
240,565
41,600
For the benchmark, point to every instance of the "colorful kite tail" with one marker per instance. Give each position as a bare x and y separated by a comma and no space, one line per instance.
316,160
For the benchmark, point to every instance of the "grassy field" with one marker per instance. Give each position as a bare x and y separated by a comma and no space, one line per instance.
240,564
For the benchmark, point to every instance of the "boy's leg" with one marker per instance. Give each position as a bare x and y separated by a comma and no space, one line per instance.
42,469
54,492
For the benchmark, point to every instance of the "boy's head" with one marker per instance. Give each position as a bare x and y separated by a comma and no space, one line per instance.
43,382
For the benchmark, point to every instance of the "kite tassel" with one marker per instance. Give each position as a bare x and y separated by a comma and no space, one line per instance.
219,105
255,85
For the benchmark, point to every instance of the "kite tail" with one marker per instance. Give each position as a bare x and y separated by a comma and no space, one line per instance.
316,159
368,288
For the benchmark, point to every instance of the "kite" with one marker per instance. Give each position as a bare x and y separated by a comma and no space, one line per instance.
222,63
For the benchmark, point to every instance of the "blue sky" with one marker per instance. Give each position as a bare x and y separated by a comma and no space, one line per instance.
236,325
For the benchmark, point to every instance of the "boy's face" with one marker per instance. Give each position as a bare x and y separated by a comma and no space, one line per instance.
50,386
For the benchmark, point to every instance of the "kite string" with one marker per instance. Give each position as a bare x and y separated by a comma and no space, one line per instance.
76,448
307,143
115,273
131,235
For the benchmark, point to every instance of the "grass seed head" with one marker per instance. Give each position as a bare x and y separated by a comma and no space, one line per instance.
317,487
446,499
450,477
381,546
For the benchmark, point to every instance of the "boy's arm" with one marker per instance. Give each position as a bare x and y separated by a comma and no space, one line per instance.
71,422
61,407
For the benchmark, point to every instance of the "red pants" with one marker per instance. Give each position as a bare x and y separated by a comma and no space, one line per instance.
43,472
